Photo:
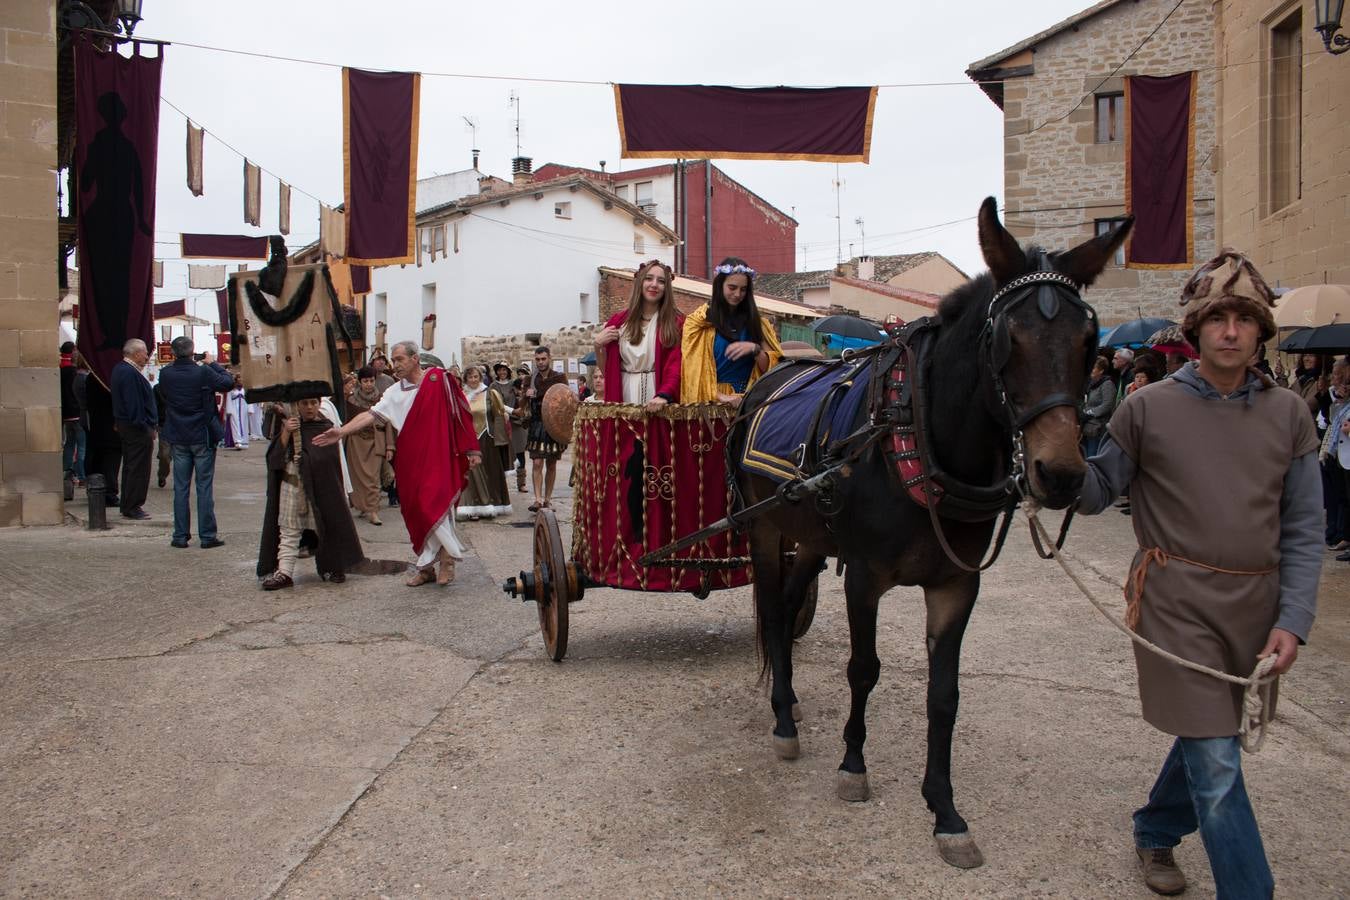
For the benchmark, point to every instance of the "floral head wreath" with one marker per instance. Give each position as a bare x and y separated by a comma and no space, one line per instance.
737,269
655,262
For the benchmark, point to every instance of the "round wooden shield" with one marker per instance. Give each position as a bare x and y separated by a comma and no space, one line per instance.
560,407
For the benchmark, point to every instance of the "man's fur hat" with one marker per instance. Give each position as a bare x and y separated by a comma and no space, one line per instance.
1227,282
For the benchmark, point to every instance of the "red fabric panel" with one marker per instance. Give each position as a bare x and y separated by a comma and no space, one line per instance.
825,124
360,279
431,466
117,142
381,151
627,505
223,246
170,308
1159,168
668,360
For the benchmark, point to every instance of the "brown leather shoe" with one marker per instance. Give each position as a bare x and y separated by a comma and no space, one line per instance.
276,581
422,576
1161,873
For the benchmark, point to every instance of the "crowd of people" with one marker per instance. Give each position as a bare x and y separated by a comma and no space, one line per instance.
1322,383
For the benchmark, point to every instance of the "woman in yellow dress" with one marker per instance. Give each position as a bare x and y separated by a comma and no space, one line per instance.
727,343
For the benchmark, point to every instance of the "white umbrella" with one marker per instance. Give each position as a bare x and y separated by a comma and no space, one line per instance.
1315,304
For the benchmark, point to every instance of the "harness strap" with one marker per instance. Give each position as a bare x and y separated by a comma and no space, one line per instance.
1134,585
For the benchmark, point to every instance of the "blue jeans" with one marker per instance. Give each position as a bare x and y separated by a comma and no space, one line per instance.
198,460
1200,786
72,455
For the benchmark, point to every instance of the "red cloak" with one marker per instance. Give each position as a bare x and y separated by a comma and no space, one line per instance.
431,463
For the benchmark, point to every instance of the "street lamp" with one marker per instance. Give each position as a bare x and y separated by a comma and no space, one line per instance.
1329,22
75,14
129,14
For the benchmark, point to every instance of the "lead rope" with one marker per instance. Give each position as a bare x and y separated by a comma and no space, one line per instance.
1255,711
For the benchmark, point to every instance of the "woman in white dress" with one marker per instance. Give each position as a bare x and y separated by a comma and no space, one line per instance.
639,348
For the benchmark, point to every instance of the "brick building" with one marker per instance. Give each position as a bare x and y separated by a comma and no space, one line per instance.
30,402
1284,143
928,273
1064,152
741,223
616,287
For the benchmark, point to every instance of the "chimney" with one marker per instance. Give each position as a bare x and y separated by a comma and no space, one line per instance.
867,268
521,170
484,184
475,159
602,166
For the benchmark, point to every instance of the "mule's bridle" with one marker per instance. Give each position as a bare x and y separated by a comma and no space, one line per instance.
1051,290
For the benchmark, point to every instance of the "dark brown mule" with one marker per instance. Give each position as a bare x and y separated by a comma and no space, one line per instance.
1037,355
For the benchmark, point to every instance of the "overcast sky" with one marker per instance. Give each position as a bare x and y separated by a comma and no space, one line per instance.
936,151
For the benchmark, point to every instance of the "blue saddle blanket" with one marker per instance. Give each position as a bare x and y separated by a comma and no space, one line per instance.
780,428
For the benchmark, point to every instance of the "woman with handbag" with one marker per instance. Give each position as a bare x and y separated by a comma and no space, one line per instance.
1097,408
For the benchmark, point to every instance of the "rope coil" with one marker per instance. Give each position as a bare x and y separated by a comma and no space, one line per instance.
1256,686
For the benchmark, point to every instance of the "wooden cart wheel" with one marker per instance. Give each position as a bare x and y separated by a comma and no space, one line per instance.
553,589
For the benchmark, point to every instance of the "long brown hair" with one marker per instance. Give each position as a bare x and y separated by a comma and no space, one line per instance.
667,316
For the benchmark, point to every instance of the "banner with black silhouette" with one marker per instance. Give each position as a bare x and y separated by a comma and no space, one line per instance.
379,157
695,120
286,324
1160,170
116,141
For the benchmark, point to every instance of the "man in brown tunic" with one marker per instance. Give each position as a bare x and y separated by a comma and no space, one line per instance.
1222,471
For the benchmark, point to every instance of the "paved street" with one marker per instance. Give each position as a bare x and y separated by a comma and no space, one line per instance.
172,730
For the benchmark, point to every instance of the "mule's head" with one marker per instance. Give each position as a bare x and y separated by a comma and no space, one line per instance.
1039,343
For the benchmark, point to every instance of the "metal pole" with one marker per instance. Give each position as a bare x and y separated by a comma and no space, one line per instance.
96,487
707,213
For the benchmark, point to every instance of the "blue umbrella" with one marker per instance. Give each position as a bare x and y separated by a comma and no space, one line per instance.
588,359
848,327
1136,332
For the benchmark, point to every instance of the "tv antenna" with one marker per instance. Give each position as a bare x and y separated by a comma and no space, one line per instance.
862,234
514,102
838,220
472,125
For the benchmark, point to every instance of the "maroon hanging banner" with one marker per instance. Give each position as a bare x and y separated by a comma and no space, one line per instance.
116,145
223,310
360,279
683,121
170,309
223,246
379,165
1160,170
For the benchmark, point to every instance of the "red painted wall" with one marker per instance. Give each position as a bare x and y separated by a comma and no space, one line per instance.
742,225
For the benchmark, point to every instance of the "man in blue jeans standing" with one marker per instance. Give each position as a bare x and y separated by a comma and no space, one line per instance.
193,429
1229,558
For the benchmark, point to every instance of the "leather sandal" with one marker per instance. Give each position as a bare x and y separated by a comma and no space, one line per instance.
421,577
447,573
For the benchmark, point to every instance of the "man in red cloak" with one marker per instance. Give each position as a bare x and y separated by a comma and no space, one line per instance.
436,448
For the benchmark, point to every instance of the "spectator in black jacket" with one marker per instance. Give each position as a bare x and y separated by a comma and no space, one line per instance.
135,418
193,429
72,429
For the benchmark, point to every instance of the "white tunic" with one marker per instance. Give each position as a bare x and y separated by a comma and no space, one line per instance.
639,365
394,407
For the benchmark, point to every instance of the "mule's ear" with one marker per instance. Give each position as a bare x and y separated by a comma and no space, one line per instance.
1002,253
1085,262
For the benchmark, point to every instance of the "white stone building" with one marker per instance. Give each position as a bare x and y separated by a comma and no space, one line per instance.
508,259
